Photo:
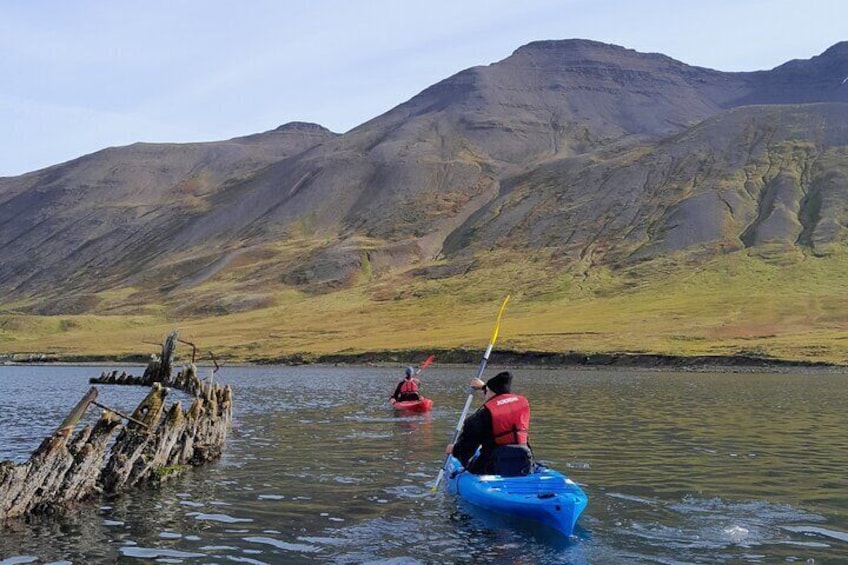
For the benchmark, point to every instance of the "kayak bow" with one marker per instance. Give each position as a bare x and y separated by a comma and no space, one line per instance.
422,405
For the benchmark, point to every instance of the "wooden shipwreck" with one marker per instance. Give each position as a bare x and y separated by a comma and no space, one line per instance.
160,370
153,444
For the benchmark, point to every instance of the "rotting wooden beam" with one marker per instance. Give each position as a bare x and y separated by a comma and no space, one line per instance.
123,416
73,417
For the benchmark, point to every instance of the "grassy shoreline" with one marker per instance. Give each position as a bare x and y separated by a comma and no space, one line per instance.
465,357
733,310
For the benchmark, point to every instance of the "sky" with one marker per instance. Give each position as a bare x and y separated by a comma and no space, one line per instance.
80,76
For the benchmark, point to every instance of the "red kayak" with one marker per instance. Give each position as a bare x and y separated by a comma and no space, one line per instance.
422,405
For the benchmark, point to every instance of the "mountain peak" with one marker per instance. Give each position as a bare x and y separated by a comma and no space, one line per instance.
301,127
301,130
578,47
573,51
833,58
567,44
837,50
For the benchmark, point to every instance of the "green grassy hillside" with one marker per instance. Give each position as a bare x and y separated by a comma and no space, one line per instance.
775,303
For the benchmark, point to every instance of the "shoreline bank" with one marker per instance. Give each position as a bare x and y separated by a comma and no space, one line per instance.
576,360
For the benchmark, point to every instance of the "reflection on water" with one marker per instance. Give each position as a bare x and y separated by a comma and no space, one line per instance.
679,468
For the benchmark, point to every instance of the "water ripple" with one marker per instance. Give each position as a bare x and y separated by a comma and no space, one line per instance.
219,518
816,530
155,552
298,547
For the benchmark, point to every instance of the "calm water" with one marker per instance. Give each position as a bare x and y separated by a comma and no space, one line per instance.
679,468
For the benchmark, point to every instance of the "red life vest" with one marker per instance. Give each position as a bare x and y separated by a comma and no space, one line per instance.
409,385
510,419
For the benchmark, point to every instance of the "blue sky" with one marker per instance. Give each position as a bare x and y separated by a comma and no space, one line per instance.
84,75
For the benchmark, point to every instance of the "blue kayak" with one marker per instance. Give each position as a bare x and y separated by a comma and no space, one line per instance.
545,496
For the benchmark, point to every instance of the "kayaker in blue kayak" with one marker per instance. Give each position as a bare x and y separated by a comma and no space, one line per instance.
407,389
500,429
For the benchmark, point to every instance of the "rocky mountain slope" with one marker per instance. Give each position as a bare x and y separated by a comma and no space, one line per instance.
590,155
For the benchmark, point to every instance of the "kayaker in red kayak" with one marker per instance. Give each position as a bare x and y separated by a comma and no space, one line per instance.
500,428
407,389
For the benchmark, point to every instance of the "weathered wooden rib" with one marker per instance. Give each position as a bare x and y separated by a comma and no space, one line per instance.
58,473
180,439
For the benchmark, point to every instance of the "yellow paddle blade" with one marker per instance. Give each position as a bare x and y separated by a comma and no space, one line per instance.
498,323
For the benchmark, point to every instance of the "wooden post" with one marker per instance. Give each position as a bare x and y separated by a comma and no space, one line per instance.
168,350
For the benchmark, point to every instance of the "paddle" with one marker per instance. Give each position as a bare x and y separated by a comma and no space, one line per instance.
425,364
480,370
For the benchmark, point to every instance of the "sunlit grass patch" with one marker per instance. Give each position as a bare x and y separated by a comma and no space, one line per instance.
738,303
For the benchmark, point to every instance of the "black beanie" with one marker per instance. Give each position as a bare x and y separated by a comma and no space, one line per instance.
500,383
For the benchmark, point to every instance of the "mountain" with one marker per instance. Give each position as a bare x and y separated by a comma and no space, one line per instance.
98,221
590,159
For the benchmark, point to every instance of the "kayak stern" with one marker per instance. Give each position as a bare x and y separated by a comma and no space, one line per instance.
545,496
